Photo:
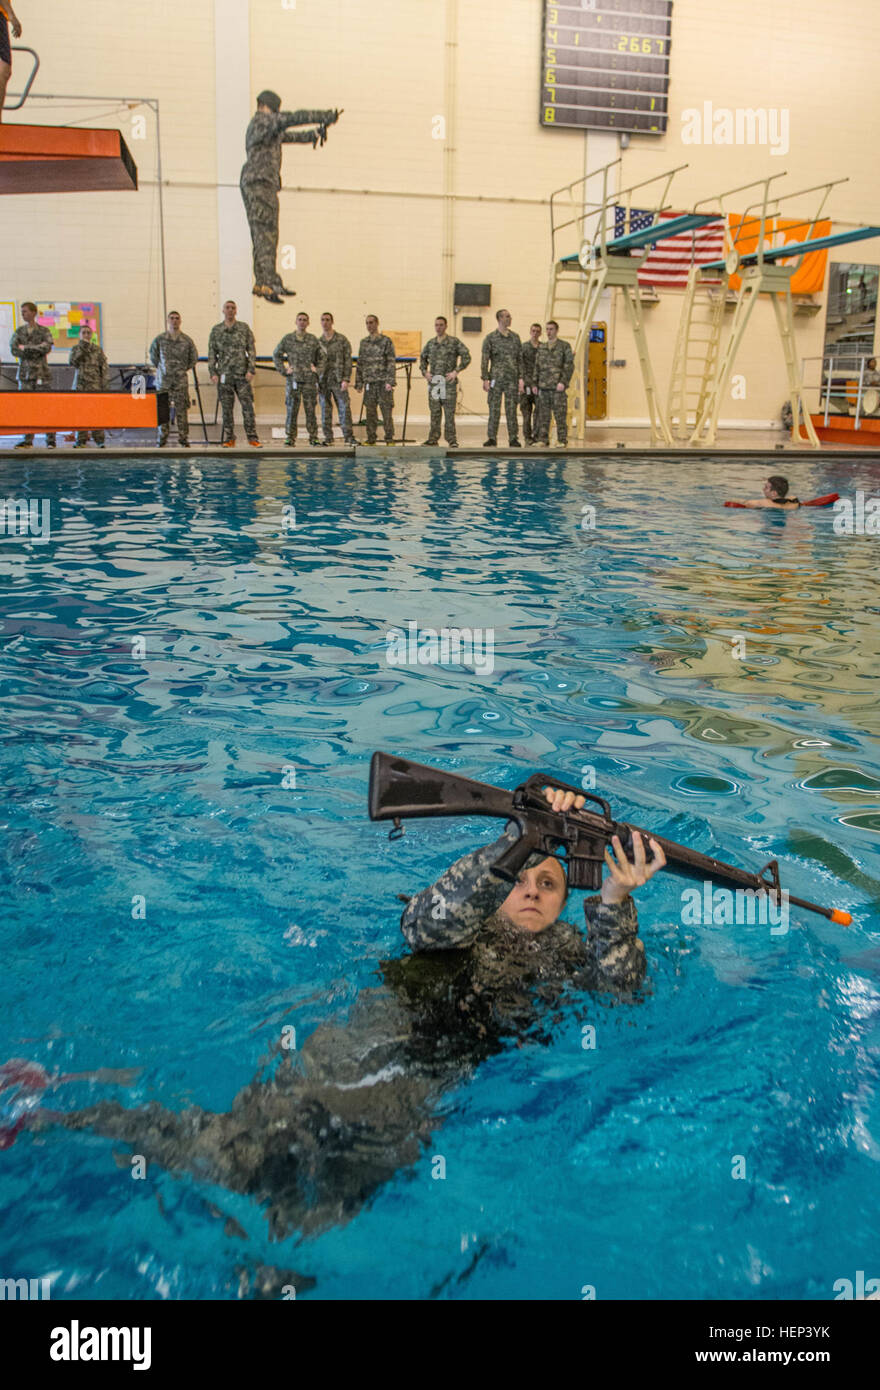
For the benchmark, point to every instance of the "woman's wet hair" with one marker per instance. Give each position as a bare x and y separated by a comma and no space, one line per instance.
778,484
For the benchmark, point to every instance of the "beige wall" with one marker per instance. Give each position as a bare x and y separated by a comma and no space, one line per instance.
366,212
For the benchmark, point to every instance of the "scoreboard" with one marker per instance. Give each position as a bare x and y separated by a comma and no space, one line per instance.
605,64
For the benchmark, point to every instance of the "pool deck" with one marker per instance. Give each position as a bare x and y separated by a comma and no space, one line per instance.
602,441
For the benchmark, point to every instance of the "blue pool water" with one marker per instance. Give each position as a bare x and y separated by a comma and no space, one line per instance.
156,769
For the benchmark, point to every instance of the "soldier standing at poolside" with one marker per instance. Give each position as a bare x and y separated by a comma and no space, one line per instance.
91,375
261,180
232,362
301,358
174,355
32,343
440,362
376,371
501,370
529,398
333,385
554,368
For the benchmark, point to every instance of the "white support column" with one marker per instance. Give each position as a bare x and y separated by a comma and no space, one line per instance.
233,109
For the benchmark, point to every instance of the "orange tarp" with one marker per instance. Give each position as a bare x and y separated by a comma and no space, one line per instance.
33,412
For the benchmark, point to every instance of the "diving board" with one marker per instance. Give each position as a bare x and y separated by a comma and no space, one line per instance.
64,159
798,248
658,231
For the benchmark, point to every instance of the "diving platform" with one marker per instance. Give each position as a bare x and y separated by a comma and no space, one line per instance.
64,159
658,231
797,248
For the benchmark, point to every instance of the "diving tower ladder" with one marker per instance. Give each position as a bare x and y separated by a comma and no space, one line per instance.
607,261
759,274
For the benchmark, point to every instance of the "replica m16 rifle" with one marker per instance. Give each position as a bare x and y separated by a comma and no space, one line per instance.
400,789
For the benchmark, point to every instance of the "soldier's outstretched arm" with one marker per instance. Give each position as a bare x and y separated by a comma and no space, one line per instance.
299,137
288,118
451,912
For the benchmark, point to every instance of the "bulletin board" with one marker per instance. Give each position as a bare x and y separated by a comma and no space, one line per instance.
64,319
8,325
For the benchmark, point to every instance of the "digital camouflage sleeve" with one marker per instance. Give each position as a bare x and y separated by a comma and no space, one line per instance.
464,905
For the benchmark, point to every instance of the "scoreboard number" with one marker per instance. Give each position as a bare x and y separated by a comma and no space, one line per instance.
605,65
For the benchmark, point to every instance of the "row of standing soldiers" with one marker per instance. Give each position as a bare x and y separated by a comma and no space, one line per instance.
534,376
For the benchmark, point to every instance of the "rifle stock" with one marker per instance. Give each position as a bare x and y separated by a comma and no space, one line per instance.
401,790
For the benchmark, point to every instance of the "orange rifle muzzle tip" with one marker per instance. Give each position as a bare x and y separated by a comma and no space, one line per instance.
844,918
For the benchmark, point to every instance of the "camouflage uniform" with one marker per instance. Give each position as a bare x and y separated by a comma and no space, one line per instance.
301,354
32,344
232,353
174,358
376,368
261,180
501,366
356,1103
337,370
529,398
91,375
555,363
438,357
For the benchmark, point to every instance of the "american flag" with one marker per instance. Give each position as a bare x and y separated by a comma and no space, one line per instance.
668,262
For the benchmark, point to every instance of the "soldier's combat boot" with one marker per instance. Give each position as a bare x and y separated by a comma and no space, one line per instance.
228,443
490,443
282,289
514,444
255,443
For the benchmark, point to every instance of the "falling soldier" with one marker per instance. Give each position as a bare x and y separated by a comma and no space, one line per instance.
260,181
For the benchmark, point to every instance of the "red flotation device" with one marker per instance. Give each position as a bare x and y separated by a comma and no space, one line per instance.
825,501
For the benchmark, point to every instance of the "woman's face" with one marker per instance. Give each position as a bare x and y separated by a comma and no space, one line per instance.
536,899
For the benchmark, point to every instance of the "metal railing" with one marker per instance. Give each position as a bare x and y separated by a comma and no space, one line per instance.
17,105
839,375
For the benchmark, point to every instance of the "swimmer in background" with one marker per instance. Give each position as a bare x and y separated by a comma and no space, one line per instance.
775,495
490,967
8,18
